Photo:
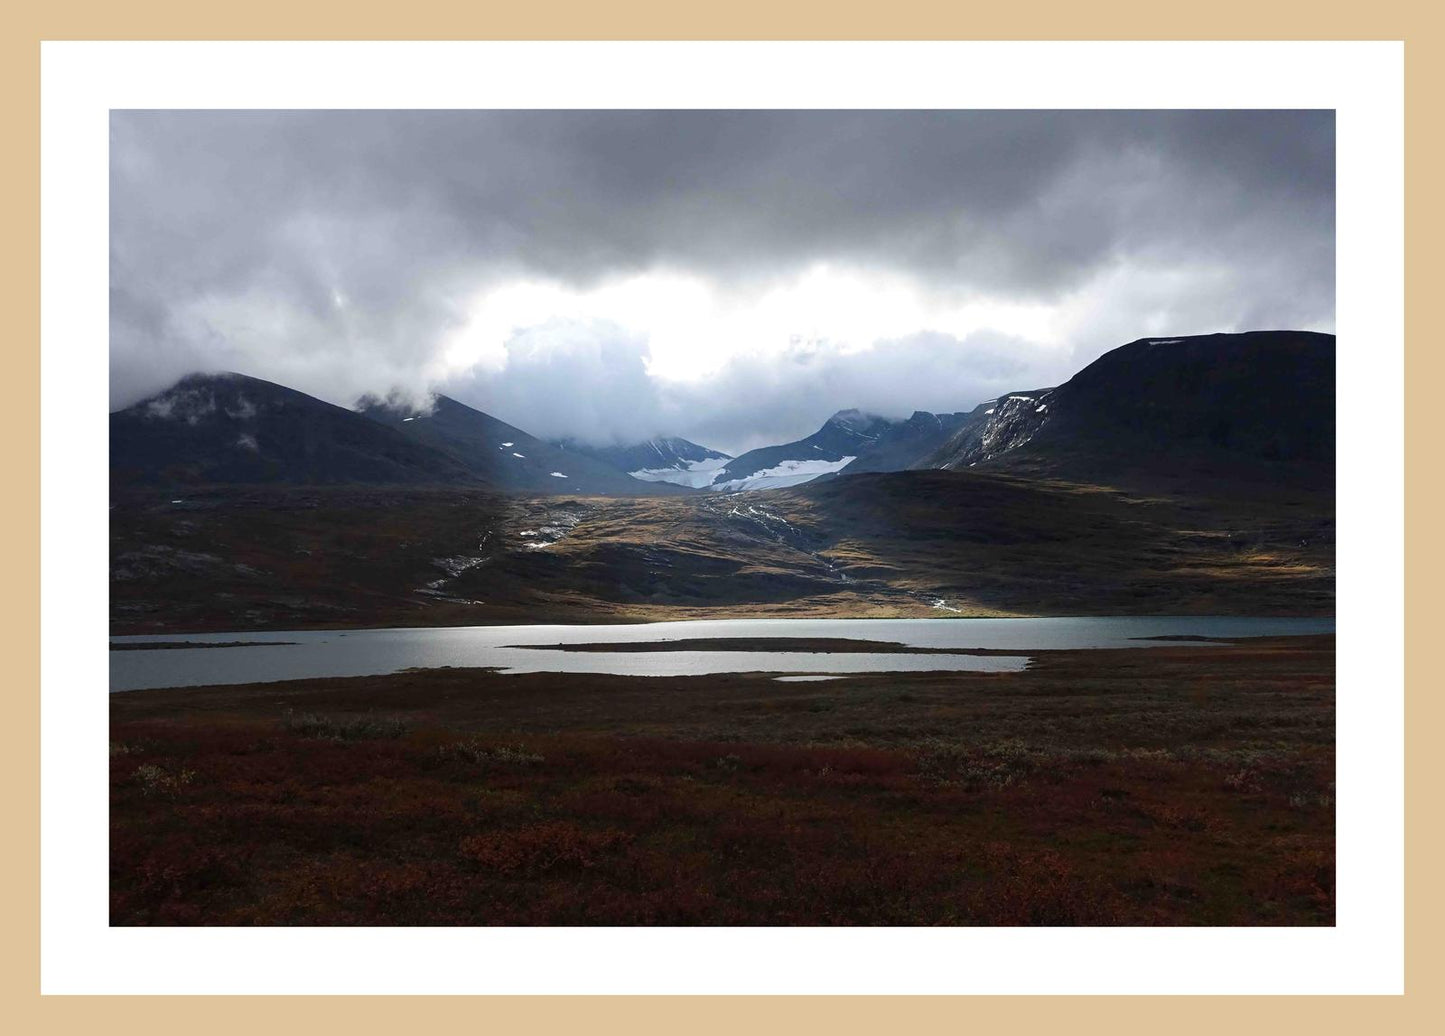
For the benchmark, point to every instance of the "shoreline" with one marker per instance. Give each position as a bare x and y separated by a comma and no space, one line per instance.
610,620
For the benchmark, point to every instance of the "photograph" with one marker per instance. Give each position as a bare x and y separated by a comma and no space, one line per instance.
722,517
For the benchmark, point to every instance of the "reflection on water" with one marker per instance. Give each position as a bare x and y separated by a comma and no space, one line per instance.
327,653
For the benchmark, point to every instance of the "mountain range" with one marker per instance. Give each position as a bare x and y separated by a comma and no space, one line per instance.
1253,401
1171,476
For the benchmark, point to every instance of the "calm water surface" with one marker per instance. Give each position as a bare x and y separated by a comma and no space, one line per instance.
375,652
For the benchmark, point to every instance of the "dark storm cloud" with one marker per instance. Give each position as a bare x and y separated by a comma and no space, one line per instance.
335,251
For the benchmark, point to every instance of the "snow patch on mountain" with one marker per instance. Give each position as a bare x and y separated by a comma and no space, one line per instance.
696,474
788,473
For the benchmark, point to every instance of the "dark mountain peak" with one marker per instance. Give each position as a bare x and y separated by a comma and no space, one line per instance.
694,451
670,449
1217,350
859,422
232,428
214,397
1223,401
845,436
202,379
223,399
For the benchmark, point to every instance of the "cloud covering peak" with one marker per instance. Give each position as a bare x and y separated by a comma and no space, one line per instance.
718,275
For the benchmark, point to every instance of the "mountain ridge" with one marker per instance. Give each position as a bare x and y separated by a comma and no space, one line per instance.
502,454
837,443
905,444
1254,401
219,428
1258,403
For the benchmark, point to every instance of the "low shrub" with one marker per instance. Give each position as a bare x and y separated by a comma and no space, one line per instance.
157,780
344,728
999,765
479,752
541,848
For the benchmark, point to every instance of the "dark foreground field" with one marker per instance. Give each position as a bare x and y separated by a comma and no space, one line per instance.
1163,785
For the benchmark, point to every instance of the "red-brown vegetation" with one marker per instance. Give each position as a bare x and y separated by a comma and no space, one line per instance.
441,817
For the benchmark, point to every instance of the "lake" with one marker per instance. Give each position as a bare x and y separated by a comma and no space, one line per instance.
274,656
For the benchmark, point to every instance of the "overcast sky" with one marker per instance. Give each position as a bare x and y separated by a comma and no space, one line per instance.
731,277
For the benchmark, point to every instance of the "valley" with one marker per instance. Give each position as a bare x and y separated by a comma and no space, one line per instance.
1170,476
900,544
